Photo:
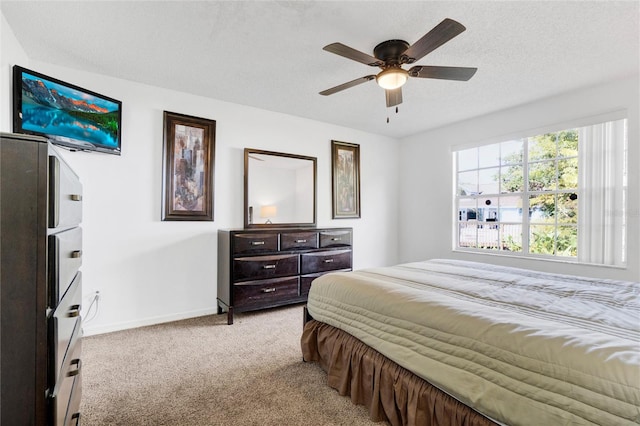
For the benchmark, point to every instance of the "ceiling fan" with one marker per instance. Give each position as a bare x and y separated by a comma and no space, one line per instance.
390,55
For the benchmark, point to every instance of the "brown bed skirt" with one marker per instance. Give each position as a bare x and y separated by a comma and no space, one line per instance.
390,392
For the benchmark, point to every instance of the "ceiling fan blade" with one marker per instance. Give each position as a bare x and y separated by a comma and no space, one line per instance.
444,73
439,35
351,53
347,85
394,97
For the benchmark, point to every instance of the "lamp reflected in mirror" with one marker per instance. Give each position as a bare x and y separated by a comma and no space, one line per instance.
268,212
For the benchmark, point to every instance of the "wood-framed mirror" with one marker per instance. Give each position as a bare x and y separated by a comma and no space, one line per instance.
279,189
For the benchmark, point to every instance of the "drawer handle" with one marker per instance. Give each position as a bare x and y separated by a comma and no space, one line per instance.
336,239
78,365
76,254
76,417
76,197
257,243
269,266
269,290
74,311
328,261
301,241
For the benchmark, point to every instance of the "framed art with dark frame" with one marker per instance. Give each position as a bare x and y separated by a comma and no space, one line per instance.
345,176
188,158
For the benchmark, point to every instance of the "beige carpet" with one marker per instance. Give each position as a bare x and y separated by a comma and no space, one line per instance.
203,372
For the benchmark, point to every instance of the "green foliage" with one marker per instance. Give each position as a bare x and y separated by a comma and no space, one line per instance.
512,179
563,240
543,176
567,209
552,165
510,244
568,143
545,240
567,242
108,121
568,173
542,240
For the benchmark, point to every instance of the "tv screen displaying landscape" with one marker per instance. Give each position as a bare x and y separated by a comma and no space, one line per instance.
66,114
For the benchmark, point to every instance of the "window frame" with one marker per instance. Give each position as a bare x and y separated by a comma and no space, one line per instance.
525,194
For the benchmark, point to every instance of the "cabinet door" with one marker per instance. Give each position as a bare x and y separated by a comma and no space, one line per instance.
258,267
322,261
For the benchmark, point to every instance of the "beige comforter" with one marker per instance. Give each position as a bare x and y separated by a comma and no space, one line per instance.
521,347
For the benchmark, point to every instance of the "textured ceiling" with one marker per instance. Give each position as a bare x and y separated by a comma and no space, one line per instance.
269,54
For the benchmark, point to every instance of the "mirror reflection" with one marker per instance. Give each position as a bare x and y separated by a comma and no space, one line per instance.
280,189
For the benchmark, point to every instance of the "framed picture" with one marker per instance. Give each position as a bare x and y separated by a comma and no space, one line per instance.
345,175
188,157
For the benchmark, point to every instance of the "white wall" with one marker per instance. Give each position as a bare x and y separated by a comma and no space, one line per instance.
10,50
426,174
150,271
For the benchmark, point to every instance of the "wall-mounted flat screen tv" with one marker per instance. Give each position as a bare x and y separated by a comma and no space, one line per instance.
67,115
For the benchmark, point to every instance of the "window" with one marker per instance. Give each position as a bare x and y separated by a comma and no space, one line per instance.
559,194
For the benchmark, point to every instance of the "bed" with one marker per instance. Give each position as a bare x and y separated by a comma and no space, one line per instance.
451,342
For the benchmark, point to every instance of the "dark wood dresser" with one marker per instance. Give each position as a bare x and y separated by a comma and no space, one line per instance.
264,268
40,285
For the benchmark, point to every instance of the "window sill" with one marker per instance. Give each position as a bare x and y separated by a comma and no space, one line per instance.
541,258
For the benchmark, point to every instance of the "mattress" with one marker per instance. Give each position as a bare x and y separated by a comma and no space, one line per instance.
519,346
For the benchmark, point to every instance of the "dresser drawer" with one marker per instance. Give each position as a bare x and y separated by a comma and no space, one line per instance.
298,240
65,325
254,243
66,399
65,258
65,195
307,280
264,292
335,238
73,410
66,364
325,261
305,283
258,267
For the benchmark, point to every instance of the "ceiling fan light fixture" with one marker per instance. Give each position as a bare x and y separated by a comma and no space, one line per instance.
392,78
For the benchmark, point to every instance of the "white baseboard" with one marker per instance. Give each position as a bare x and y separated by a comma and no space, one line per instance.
88,330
